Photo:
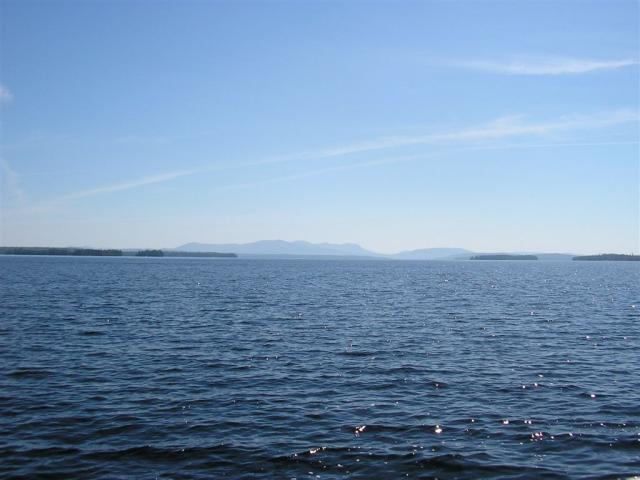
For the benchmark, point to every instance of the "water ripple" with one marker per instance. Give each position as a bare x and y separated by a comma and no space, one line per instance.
249,369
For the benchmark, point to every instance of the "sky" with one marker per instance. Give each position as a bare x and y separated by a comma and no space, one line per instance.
397,125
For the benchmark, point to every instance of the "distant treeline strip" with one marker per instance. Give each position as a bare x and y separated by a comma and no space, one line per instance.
149,253
92,252
82,252
616,257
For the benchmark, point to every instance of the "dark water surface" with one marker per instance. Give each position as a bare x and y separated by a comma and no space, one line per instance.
204,368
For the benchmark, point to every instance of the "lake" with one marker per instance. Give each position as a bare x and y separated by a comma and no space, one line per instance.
233,368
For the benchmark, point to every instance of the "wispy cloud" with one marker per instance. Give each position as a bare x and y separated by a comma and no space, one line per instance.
130,184
506,127
11,188
545,65
520,146
21,207
499,129
5,95
324,171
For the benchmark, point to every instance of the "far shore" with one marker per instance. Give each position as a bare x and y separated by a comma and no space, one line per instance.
92,252
169,253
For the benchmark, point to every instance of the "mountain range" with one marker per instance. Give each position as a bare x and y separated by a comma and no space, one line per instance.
280,247
302,248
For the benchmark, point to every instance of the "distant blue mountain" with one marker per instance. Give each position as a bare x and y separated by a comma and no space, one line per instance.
302,248
280,247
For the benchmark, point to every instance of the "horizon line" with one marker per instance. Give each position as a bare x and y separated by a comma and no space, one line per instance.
371,253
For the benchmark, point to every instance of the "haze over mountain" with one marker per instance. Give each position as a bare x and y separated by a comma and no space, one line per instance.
282,247
279,247
303,248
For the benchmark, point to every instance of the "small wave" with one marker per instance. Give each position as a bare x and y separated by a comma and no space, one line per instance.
151,453
47,452
30,373
357,353
91,333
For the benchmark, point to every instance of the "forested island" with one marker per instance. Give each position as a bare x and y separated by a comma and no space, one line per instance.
616,257
149,253
93,252
504,257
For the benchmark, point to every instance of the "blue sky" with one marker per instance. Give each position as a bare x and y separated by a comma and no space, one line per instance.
396,125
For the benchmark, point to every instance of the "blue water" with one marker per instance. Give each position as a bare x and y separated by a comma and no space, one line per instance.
231,368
